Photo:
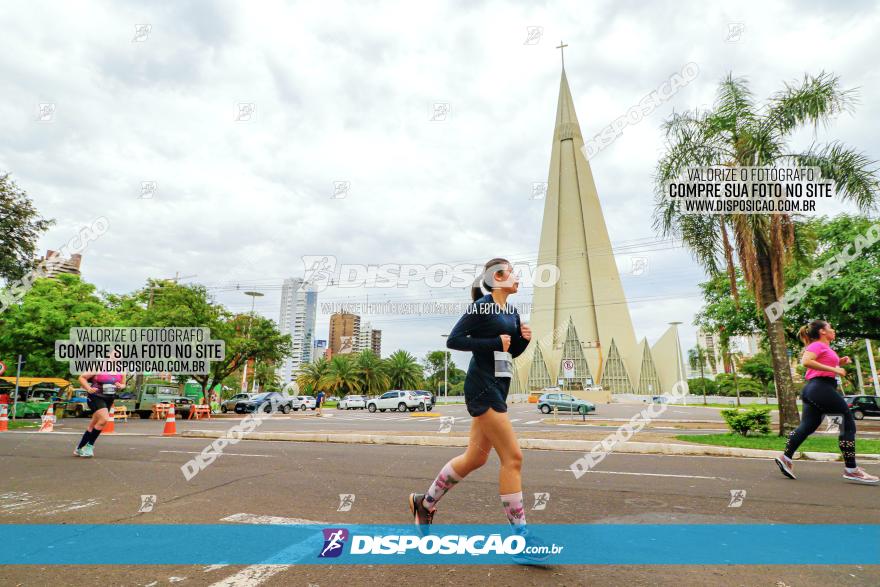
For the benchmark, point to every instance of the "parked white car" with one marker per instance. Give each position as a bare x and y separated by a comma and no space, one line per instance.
397,400
352,402
303,402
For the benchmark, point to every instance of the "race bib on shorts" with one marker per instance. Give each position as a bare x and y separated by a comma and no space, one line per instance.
108,389
503,364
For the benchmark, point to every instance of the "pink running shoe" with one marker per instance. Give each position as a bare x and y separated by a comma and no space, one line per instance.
860,476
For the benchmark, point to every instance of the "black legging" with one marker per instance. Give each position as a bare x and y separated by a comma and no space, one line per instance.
820,397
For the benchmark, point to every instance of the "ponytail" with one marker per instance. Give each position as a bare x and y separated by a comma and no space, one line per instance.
810,332
476,290
486,279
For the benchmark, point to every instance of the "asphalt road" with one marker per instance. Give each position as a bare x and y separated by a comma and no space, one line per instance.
525,419
44,483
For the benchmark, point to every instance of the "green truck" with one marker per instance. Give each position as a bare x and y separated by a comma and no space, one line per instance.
139,401
35,394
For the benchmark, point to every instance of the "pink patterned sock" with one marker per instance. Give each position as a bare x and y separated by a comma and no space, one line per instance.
513,507
446,480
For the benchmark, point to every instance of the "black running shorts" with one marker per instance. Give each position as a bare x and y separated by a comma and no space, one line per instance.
97,402
478,403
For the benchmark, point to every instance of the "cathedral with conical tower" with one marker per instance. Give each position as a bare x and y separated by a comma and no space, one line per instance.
582,333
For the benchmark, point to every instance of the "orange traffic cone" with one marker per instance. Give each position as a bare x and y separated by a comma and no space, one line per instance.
4,419
48,424
170,426
110,426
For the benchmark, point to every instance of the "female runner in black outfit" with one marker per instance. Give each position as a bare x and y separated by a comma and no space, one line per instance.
493,332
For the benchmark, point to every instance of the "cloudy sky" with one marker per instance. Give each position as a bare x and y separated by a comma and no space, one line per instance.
345,92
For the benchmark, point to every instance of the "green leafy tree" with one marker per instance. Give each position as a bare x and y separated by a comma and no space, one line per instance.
759,368
403,371
247,338
848,299
434,362
20,228
46,313
738,132
165,304
266,376
729,386
702,385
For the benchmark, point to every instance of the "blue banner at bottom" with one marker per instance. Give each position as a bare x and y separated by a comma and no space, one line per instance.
575,544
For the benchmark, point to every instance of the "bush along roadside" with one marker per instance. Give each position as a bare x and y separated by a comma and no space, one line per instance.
754,419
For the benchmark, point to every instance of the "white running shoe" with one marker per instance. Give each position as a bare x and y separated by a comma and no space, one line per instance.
785,466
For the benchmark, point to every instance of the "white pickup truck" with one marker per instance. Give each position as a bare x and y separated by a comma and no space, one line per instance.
397,400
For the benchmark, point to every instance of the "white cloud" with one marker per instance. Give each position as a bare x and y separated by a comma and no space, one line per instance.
343,91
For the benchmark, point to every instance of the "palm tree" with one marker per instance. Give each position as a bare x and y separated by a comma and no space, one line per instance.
699,356
403,371
737,132
371,369
342,376
311,374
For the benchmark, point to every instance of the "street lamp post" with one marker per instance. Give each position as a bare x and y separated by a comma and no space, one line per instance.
445,370
254,295
17,378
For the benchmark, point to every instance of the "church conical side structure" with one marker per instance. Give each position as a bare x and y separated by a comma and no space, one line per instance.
584,317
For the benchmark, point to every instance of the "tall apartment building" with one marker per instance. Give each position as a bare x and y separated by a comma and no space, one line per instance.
746,346
376,342
298,308
54,264
344,333
711,343
743,347
364,338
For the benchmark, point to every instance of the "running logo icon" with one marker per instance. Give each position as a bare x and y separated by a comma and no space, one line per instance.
446,423
834,423
737,496
319,271
346,500
541,500
334,542
147,503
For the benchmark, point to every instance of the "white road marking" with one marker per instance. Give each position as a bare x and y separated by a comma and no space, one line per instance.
257,519
647,474
534,421
515,420
256,574
41,506
230,454
251,576
210,568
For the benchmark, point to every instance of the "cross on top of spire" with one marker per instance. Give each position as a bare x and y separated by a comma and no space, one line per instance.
561,48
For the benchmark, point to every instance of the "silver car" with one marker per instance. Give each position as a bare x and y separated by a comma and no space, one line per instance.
229,404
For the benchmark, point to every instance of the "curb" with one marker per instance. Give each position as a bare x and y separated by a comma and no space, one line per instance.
528,443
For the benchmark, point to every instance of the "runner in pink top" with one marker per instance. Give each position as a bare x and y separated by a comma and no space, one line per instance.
102,388
823,354
821,398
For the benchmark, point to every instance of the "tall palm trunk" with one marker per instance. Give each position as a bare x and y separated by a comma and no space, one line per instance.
785,395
